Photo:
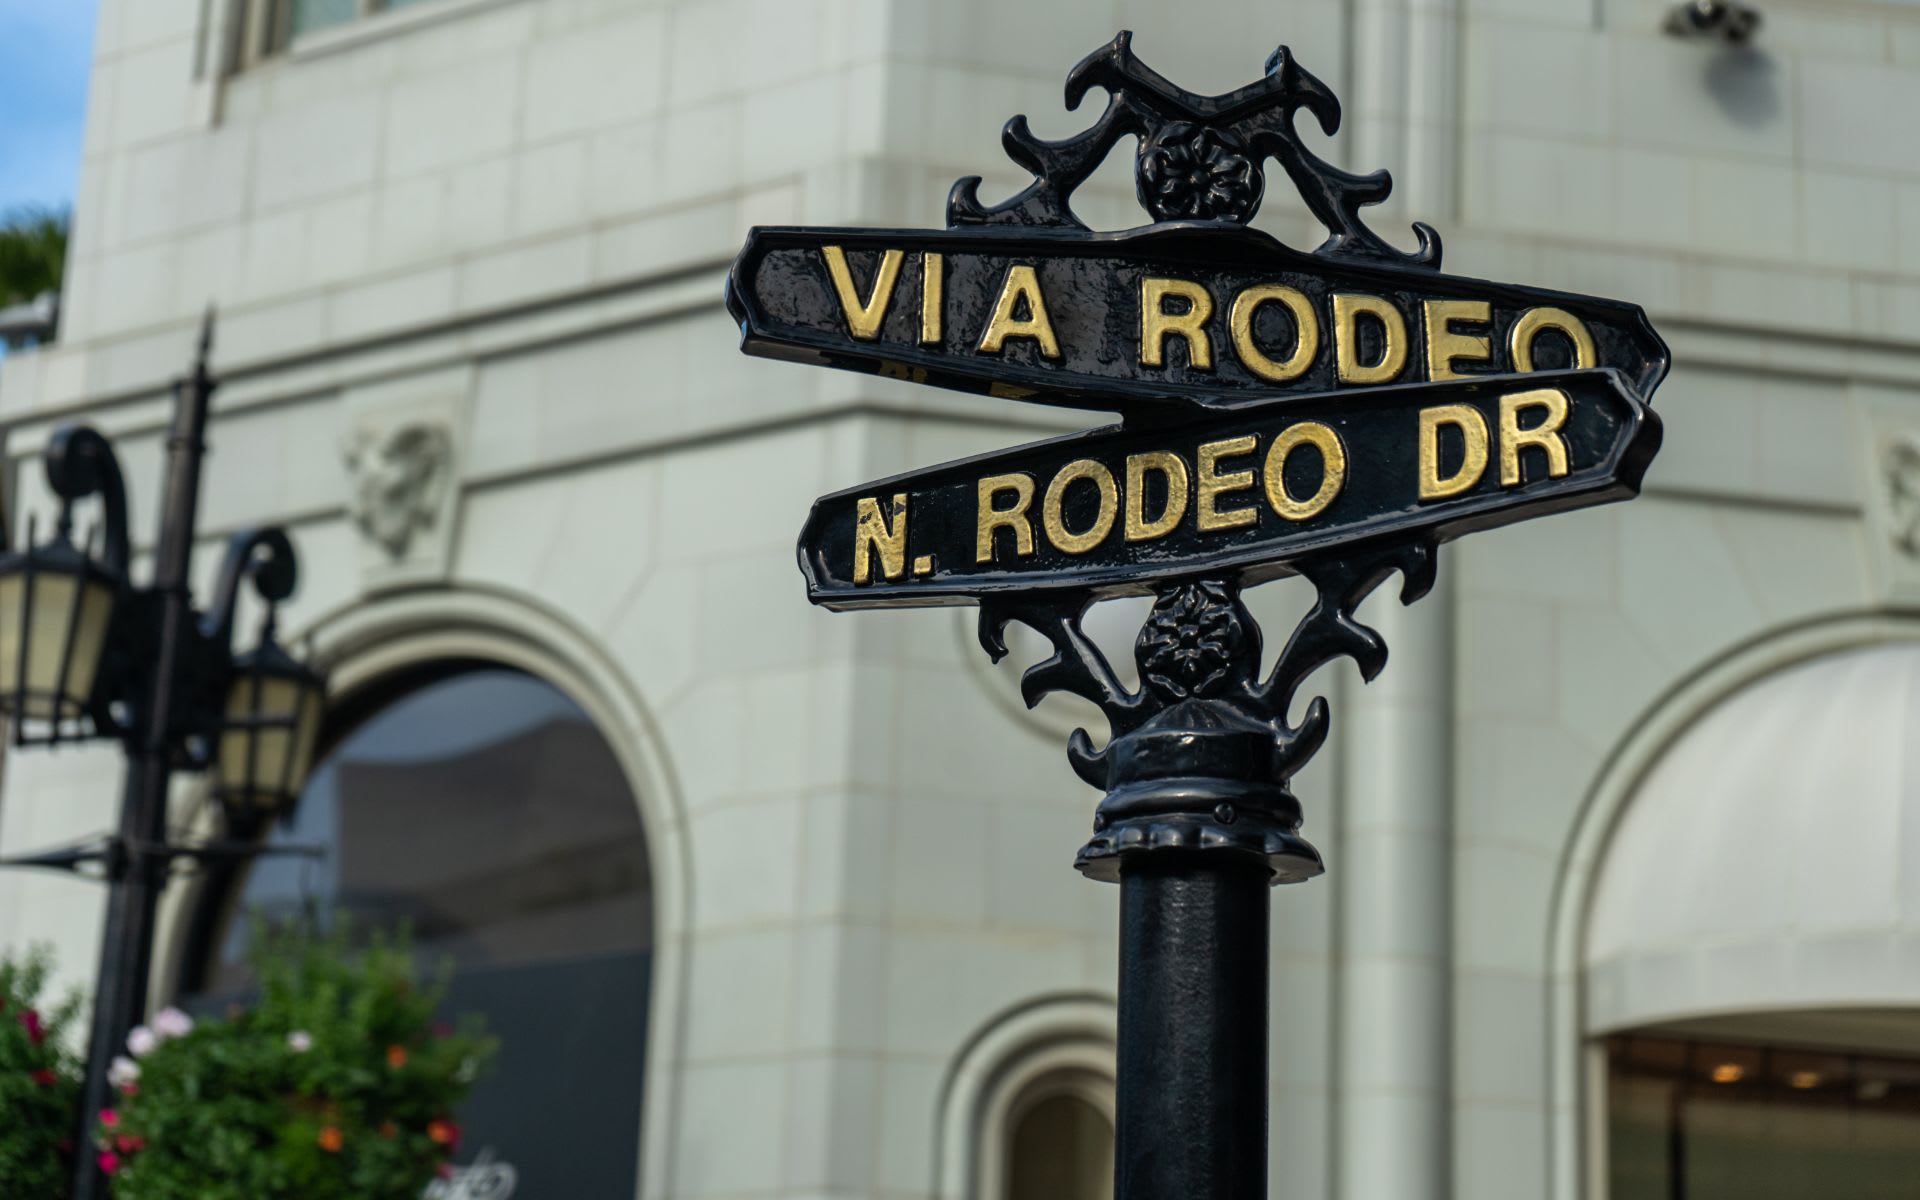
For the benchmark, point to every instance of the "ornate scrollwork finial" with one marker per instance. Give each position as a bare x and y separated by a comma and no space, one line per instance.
1201,158
1200,755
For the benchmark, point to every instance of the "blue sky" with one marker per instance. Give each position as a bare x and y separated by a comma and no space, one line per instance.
45,48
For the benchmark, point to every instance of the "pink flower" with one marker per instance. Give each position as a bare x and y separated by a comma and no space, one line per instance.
109,1118
172,1023
123,1072
30,1021
109,1162
142,1041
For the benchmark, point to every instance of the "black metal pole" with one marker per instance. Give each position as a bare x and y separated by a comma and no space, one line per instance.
1197,827
1192,1082
133,890
138,873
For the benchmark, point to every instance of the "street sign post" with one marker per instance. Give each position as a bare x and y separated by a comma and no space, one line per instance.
1336,414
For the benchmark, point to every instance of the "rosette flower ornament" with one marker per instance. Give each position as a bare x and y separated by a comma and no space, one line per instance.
1192,641
1192,172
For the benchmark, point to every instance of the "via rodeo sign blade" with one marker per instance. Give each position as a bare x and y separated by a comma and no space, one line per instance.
1021,300
1277,406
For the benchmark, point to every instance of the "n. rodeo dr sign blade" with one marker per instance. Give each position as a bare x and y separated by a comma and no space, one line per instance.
1239,491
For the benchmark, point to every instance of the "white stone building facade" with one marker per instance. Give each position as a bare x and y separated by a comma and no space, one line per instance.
1636,770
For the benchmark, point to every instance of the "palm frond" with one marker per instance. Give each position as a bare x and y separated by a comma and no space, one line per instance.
33,253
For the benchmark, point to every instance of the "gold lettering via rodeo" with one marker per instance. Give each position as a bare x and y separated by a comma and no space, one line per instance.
1441,320
1210,488
1452,331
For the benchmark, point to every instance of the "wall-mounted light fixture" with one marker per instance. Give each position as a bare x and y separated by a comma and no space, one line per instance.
1727,21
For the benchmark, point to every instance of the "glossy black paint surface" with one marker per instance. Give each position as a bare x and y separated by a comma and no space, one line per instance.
1191,1111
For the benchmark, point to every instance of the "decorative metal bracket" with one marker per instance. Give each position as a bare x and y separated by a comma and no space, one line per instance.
1199,758
81,463
264,555
115,855
1201,158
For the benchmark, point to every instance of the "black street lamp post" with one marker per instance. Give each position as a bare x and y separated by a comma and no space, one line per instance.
84,652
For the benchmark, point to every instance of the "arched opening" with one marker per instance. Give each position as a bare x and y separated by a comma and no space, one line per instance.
1059,1140
481,807
1749,975
1764,1109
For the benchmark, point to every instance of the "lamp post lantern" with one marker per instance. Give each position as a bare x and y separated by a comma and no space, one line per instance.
1336,414
85,652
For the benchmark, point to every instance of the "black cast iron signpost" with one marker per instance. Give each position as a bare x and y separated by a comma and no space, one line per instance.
1335,414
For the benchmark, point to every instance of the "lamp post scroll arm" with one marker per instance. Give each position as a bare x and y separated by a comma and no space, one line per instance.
81,463
264,555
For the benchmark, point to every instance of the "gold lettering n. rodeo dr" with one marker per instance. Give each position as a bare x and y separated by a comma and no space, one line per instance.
1268,482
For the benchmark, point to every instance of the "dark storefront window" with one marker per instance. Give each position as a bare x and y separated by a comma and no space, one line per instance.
481,807
1697,1120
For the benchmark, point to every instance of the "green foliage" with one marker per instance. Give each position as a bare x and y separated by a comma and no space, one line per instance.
33,253
337,1085
39,1082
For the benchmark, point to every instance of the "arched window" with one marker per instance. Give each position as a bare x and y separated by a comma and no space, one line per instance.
1059,1139
1027,1113
481,807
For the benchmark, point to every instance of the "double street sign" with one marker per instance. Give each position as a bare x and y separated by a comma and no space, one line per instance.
1336,413
1276,405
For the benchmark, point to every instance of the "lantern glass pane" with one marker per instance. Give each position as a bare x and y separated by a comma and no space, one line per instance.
279,718
306,736
58,630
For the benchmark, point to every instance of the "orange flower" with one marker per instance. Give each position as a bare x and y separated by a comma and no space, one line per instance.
396,1057
443,1133
331,1139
